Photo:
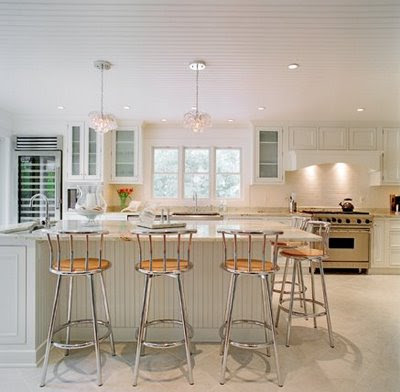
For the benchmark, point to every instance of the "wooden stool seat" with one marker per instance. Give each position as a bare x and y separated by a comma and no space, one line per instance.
256,265
288,244
304,253
79,265
171,265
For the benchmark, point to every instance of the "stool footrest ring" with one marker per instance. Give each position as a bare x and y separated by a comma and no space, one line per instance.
288,292
76,346
171,344
249,346
302,314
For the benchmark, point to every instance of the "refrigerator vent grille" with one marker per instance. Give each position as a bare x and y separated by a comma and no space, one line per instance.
31,143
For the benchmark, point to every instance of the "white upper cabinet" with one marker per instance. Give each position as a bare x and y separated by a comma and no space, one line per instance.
84,153
126,156
331,138
362,139
268,154
391,156
302,138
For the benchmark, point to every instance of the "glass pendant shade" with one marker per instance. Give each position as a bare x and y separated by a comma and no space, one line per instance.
102,123
196,120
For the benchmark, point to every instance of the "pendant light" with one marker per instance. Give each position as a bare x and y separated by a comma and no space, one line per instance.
101,122
196,120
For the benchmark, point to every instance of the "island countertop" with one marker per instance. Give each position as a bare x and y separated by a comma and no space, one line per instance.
206,230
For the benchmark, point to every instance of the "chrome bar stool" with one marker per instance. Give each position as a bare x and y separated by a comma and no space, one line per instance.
248,266
298,222
166,266
314,254
74,267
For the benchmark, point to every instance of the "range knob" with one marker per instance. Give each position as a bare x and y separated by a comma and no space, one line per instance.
328,219
347,220
339,220
334,220
358,220
320,219
367,221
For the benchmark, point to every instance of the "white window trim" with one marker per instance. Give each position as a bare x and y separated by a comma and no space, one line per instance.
212,199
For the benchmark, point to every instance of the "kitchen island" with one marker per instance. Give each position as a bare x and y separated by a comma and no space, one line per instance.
27,288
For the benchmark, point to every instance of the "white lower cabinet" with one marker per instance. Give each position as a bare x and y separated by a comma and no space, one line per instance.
12,294
385,247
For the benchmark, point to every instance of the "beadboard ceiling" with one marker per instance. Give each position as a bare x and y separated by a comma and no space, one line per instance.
348,51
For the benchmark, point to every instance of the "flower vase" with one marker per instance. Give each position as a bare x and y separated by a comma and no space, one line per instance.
122,201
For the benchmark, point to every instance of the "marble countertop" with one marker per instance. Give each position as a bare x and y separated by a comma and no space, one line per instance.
206,230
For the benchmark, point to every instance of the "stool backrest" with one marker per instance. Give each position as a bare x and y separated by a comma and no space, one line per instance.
300,222
71,238
322,229
266,237
176,234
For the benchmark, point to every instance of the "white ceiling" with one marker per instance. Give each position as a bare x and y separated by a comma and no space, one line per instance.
349,52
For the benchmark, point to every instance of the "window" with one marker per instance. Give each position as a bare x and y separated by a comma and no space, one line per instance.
227,179
211,173
165,172
197,173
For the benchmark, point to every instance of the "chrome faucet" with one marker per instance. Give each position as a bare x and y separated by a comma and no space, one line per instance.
46,200
195,201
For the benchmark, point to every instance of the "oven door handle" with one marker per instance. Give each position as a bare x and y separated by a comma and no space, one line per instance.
350,231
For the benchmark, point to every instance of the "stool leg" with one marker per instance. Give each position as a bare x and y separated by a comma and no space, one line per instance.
302,288
50,333
271,317
328,316
69,312
95,332
143,318
228,301
228,329
278,311
313,291
289,321
107,310
265,313
185,329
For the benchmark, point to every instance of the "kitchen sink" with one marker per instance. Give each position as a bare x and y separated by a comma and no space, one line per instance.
196,216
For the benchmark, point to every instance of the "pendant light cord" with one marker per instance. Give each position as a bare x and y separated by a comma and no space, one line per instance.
197,89
102,90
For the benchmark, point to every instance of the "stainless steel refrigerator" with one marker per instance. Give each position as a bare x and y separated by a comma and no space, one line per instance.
38,169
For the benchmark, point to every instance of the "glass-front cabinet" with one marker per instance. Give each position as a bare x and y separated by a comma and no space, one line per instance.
84,152
125,156
268,155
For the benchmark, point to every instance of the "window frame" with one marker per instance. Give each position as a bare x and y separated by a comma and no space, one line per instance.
240,173
153,172
209,149
212,173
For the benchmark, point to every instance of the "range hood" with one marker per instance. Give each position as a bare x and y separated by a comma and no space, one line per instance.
300,159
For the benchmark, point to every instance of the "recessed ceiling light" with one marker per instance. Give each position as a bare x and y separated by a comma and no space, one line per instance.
261,108
164,120
230,120
126,107
293,66
360,109
60,107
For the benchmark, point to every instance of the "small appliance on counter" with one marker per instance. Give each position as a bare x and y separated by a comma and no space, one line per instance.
395,203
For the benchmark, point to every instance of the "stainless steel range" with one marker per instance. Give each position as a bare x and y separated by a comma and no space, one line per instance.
349,239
